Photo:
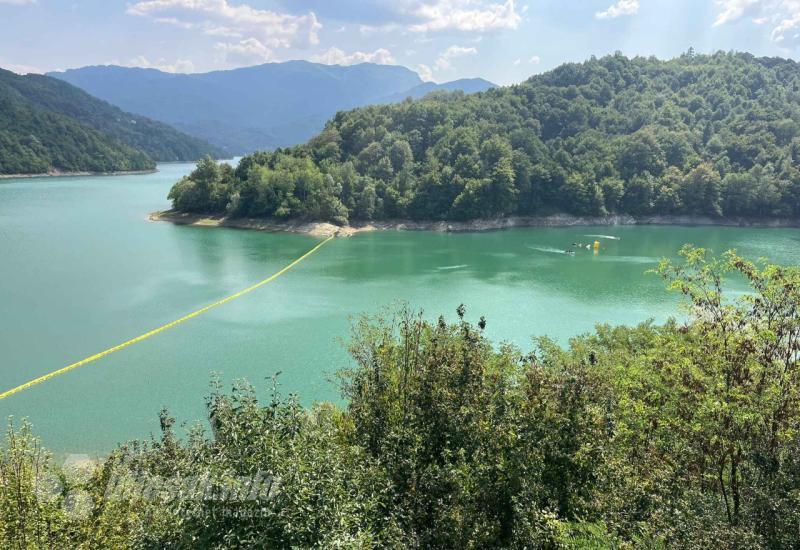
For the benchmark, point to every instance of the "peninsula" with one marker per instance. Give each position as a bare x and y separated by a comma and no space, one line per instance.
609,137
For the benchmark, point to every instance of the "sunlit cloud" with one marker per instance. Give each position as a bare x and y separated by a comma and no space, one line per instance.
782,16
462,15
367,30
733,10
621,8
246,51
445,59
336,56
425,72
255,32
788,26
178,66
21,69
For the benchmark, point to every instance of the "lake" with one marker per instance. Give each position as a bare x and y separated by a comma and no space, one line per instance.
82,269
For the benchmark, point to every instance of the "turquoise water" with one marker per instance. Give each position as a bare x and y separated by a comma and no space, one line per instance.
82,269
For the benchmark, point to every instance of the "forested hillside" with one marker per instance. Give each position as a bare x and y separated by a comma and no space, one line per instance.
34,140
158,140
711,135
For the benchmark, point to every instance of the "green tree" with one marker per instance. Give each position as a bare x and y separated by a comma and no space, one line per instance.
700,192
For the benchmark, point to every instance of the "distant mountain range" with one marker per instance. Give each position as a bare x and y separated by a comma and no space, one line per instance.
48,125
466,85
255,108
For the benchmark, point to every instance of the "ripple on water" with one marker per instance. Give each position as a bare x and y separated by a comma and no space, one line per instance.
629,259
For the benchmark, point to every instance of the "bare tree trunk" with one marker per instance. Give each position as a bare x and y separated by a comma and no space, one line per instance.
724,491
735,485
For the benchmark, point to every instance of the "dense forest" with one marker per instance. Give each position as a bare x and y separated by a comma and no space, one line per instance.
681,435
47,124
706,135
34,140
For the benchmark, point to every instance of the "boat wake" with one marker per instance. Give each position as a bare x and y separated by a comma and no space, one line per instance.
548,250
610,237
629,259
451,267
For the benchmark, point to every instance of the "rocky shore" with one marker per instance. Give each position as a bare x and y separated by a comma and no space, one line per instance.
57,174
324,229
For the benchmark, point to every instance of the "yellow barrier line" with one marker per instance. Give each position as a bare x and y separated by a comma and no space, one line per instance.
162,328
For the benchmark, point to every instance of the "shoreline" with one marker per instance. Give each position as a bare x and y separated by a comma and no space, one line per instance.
325,229
56,174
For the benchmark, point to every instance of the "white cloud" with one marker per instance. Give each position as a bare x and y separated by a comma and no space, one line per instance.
423,16
225,32
246,51
461,15
256,32
179,66
18,2
783,16
788,24
733,10
444,61
182,66
425,72
335,56
173,21
622,7
21,69
517,62
535,60
368,30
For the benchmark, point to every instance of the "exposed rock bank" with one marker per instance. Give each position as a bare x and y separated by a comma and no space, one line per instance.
324,229
57,174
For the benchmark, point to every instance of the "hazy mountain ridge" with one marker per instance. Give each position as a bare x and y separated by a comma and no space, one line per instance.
466,85
254,108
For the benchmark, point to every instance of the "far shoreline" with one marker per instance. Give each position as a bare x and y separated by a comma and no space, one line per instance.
325,229
56,174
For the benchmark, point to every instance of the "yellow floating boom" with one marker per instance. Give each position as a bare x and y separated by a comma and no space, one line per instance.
162,328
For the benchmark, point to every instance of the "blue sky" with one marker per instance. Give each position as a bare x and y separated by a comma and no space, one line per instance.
504,41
